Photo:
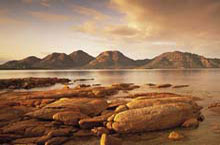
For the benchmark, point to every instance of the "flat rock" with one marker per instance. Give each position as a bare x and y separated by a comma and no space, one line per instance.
88,106
27,128
45,113
69,117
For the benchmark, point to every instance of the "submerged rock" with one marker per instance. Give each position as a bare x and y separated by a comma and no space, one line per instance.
164,86
28,83
180,86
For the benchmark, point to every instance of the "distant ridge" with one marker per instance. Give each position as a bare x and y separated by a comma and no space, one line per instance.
179,59
113,60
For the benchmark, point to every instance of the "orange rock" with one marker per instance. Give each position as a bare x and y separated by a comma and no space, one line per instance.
175,136
191,123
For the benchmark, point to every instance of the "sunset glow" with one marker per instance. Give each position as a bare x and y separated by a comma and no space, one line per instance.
140,29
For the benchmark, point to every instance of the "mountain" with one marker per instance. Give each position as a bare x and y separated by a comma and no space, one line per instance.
80,58
179,59
55,61
111,59
26,63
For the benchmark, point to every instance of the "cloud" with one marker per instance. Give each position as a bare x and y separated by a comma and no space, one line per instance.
88,27
109,32
174,20
49,16
27,1
92,13
122,30
45,3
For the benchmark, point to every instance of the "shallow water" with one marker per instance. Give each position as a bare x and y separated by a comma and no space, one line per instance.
203,83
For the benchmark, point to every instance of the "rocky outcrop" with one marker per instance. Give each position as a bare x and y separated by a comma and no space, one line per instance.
28,83
66,116
77,107
153,114
153,118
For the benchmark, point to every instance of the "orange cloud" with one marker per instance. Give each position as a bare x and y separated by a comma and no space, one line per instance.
121,30
191,20
110,32
88,28
49,16
94,14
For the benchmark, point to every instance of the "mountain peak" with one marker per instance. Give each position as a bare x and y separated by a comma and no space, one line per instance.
111,59
80,58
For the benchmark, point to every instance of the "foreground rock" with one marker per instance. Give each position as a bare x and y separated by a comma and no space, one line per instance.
66,116
175,136
70,110
28,83
142,114
191,123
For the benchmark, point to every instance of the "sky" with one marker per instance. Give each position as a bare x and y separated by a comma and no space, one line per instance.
138,28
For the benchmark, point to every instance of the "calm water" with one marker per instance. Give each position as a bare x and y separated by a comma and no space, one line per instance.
204,83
